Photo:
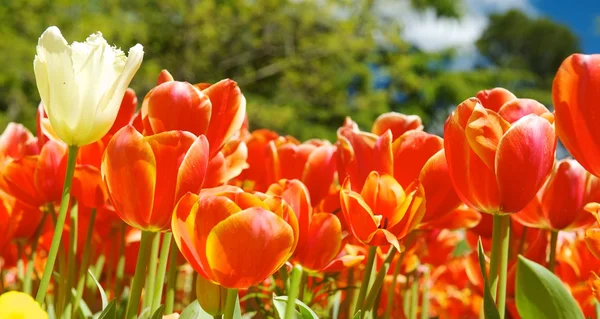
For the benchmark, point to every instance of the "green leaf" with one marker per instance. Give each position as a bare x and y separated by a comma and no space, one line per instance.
305,311
237,311
356,315
194,311
84,310
158,313
110,311
540,294
102,292
489,306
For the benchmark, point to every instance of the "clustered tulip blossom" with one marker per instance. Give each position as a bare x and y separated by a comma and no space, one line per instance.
114,210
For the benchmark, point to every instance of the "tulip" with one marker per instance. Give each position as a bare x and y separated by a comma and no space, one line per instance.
146,176
234,238
383,212
559,205
82,85
575,95
498,161
14,304
397,123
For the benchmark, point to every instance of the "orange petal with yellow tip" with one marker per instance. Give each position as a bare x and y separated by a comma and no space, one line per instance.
524,161
411,152
517,108
383,237
296,195
495,98
129,172
183,225
177,105
192,170
267,244
397,123
227,114
358,215
594,284
323,242
592,240
484,131
412,212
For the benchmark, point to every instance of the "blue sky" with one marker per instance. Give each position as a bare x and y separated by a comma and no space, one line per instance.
579,15
430,33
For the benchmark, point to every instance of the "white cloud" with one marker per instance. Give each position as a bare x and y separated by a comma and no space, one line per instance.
430,33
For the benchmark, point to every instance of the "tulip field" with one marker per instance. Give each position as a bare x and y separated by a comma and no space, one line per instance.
166,204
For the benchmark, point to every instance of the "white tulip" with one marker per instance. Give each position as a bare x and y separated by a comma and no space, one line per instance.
81,85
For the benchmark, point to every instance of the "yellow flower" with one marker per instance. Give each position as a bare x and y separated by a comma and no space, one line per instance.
81,85
19,305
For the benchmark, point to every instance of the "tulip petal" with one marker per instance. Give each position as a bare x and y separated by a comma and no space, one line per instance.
382,154
319,172
384,196
524,160
483,131
192,170
495,98
517,108
324,241
50,171
358,215
248,247
411,152
397,123
439,192
563,195
228,113
129,172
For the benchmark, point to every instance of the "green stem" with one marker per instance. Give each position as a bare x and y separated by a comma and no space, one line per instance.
303,282
378,283
495,257
230,303
85,262
552,258
171,279
293,291
34,245
60,224
425,296
72,251
140,271
151,275
414,296
161,271
504,239
392,292
364,286
120,266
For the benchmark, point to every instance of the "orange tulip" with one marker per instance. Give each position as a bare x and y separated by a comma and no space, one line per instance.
575,95
146,176
320,234
559,205
495,98
15,142
383,212
257,160
497,166
234,238
227,164
397,123
217,110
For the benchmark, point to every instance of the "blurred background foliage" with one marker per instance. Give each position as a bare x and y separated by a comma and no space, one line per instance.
303,65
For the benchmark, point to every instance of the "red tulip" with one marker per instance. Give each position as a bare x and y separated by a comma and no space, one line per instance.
146,176
575,95
397,123
497,166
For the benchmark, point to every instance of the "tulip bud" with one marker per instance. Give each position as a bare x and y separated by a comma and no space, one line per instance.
211,297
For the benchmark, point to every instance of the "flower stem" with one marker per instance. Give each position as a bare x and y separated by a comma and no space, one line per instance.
161,271
171,279
140,272
364,286
120,266
552,257
151,275
425,296
414,296
378,283
500,243
34,245
392,292
85,262
230,303
60,224
293,291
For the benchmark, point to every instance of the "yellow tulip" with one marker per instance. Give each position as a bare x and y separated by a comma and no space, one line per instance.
81,85
19,305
